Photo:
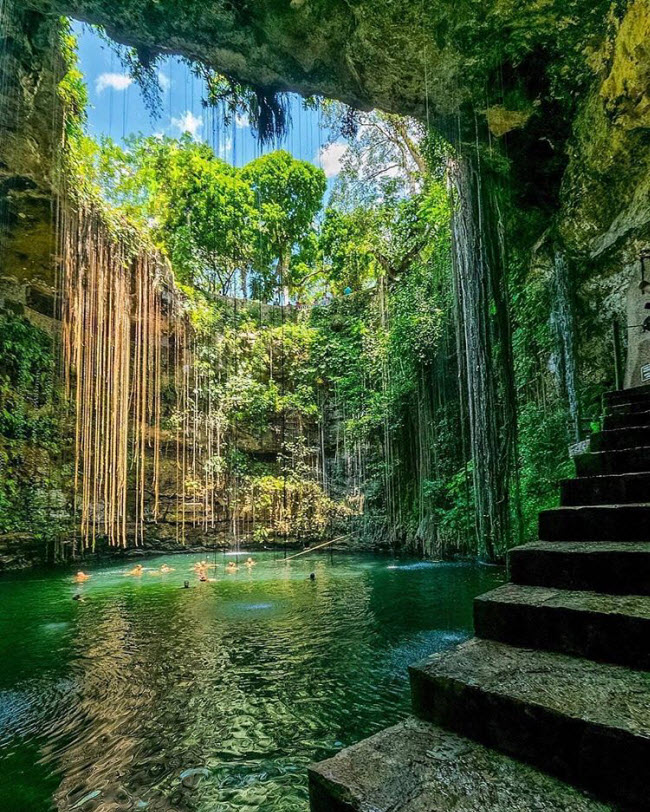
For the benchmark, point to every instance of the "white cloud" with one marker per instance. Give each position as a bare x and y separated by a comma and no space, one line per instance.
242,121
188,123
331,158
163,81
116,81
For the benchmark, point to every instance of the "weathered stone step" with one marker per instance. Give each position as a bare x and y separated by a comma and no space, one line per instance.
629,460
596,523
418,767
614,439
613,489
622,396
622,420
611,628
585,722
637,407
616,567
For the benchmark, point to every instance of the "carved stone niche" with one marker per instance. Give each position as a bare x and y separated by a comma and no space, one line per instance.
637,371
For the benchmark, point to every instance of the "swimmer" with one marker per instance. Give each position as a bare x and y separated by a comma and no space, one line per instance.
231,567
250,562
77,598
165,569
312,576
80,577
186,584
137,570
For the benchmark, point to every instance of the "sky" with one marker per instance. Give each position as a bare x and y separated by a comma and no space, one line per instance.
117,109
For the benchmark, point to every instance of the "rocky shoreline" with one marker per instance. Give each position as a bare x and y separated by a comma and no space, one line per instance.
22,551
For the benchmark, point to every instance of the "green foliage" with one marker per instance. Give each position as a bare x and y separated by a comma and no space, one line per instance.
32,433
223,228
288,194
347,240
543,452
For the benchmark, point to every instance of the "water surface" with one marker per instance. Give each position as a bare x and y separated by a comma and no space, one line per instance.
148,696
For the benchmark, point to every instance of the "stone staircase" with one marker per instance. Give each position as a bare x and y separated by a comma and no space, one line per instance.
548,707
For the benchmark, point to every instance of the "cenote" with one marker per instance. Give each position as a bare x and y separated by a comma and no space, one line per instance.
146,695
355,288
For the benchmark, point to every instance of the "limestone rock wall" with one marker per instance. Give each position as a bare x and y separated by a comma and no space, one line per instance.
604,214
30,67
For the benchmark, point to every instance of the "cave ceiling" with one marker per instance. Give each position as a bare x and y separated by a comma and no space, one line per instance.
416,57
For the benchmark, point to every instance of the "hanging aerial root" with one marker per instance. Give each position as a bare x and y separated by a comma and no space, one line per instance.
113,303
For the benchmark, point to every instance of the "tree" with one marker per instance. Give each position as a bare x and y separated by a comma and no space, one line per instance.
383,158
365,243
288,194
214,220
199,208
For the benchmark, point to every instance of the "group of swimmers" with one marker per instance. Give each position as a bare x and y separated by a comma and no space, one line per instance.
139,570
200,568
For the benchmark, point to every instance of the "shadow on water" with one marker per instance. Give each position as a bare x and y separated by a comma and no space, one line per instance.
145,695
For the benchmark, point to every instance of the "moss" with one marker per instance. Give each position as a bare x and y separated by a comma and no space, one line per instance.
606,187
502,121
626,91
27,142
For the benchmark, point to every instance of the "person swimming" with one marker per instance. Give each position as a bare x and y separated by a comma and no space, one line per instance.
137,570
250,562
80,577
231,567
186,585
165,569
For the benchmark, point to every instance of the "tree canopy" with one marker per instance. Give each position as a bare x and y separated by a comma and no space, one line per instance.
223,228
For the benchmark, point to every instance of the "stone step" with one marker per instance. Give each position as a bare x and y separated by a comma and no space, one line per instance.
616,567
611,628
614,489
418,767
633,395
585,722
616,439
596,523
636,407
629,460
626,419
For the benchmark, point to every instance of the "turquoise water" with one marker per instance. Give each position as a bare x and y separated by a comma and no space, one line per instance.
145,695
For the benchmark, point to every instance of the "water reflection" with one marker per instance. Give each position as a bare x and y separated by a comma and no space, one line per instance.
149,696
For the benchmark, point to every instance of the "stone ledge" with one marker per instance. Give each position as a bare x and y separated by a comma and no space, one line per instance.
612,628
418,767
616,567
584,722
